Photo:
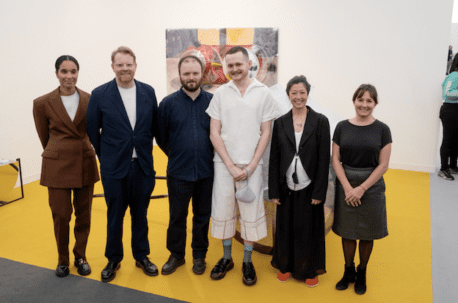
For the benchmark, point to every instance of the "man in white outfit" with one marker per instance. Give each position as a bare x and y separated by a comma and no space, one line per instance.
241,114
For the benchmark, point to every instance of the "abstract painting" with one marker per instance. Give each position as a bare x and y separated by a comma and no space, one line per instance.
211,45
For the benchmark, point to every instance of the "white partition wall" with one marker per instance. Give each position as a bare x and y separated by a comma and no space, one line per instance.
397,45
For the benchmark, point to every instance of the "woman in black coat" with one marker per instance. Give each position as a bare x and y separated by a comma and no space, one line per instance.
298,181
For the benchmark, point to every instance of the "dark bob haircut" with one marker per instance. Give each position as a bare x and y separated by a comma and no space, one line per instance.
65,58
190,57
296,80
237,49
366,88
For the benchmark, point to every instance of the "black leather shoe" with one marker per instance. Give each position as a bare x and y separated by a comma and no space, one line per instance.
148,267
109,272
249,274
83,267
199,266
171,265
220,269
62,271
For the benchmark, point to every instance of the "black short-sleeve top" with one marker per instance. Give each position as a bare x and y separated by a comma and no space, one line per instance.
360,145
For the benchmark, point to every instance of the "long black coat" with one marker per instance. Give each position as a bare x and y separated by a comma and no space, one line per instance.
314,152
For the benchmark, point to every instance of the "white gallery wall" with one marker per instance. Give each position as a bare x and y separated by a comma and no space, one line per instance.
397,45
454,28
454,37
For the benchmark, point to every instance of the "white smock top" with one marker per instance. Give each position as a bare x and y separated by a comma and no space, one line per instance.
241,118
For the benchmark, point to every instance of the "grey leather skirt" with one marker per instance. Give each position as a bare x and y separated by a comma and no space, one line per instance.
366,221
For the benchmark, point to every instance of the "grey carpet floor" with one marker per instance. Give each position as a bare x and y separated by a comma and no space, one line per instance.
21,283
444,239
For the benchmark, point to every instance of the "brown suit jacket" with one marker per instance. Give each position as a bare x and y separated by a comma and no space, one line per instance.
68,157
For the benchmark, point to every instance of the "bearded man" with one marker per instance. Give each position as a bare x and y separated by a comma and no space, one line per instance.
184,136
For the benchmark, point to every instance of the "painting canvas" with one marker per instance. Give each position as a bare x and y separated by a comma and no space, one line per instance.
211,45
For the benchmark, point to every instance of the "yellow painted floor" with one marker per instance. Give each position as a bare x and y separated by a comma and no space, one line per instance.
399,269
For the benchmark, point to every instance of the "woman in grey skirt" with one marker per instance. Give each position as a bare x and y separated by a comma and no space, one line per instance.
361,152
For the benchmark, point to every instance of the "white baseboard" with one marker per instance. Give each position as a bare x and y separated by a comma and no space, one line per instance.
29,179
413,167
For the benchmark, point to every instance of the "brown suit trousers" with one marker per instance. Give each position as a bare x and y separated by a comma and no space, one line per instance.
60,201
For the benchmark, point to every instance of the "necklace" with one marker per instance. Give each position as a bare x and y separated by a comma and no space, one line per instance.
299,121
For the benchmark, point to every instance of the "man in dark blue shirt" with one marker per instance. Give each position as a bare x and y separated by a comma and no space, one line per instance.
184,136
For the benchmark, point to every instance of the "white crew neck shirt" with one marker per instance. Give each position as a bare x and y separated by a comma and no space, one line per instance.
241,118
71,104
129,98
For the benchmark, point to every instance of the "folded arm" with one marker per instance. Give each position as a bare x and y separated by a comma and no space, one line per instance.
353,195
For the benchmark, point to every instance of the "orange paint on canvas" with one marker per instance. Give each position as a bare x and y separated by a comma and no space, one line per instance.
208,36
240,36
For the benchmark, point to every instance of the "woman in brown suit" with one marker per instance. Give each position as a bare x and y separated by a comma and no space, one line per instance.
69,163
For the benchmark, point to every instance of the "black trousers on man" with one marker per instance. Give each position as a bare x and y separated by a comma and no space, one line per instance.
180,192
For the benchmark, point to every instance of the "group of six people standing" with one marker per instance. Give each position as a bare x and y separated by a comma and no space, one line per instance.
214,144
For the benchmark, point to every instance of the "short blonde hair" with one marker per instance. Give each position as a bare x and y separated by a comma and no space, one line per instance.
124,50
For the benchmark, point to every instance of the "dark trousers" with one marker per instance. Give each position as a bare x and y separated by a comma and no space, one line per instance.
134,190
449,147
60,201
299,244
180,192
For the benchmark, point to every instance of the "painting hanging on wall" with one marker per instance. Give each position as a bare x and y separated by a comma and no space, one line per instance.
211,45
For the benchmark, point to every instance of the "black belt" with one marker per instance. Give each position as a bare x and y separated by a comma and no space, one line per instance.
134,159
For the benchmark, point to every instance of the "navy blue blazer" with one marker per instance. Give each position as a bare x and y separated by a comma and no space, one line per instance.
111,134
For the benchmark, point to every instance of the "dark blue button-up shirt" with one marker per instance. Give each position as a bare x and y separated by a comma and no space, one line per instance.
184,135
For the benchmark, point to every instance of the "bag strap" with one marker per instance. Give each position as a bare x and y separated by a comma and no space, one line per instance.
247,173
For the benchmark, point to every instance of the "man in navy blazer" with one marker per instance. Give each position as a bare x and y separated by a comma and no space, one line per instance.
121,124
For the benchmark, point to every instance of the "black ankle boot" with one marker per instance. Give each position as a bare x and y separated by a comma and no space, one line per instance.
348,277
360,285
